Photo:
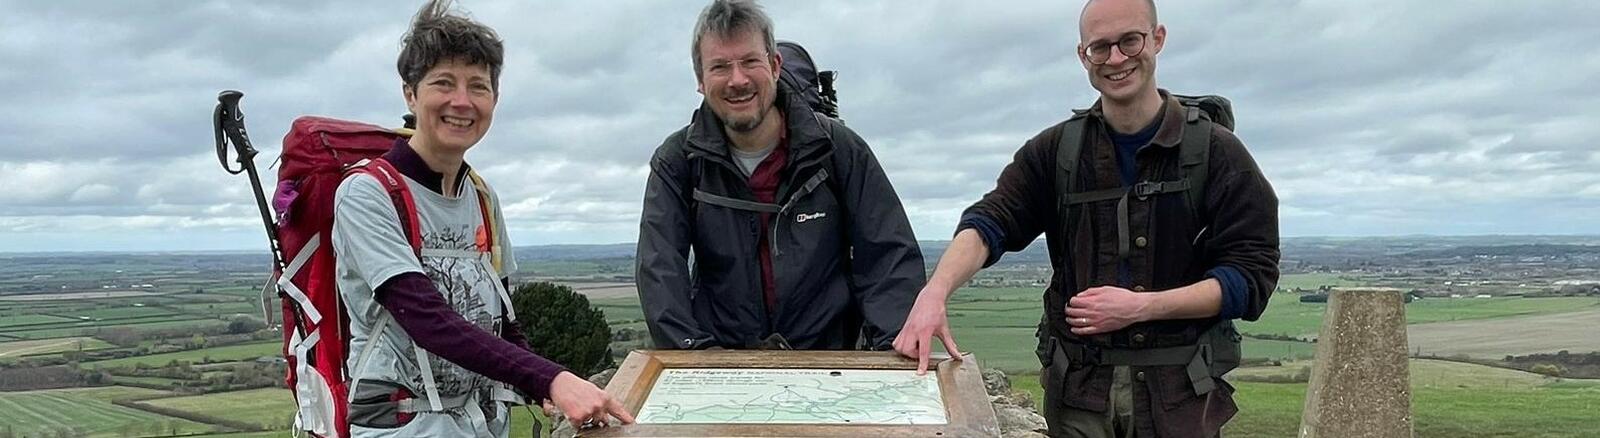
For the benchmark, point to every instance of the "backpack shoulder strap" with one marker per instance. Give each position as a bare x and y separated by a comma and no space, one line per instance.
490,240
1194,155
400,193
1069,146
695,167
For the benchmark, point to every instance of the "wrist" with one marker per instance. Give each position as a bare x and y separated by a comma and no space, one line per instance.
1149,306
563,376
934,293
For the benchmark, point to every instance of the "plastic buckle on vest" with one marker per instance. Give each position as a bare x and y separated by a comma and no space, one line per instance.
1087,354
1145,189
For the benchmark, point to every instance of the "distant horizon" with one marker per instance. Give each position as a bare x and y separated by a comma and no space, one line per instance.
262,249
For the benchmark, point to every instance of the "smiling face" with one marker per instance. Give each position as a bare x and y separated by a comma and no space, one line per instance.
739,79
1116,26
454,103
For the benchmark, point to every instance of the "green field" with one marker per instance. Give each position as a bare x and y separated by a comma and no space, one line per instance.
1313,281
271,434
121,312
88,328
88,410
221,309
16,320
1449,400
575,268
1436,310
1278,350
1286,315
619,309
273,406
269,407
126,321
16,349
157,381
218,354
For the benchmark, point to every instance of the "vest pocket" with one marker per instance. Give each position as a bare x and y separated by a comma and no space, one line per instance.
1179,412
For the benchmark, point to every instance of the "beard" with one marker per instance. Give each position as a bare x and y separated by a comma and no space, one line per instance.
747,124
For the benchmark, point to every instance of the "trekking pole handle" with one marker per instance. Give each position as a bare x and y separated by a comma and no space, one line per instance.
229,123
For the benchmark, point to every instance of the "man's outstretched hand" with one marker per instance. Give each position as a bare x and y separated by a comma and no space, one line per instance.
926,321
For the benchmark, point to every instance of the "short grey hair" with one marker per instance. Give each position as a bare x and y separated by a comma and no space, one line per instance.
727,18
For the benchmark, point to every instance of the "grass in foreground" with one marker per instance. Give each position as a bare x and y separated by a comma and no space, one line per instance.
87,410
1449,399
268,407
1286,315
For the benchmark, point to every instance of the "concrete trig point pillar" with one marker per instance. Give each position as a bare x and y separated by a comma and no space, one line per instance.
1360,384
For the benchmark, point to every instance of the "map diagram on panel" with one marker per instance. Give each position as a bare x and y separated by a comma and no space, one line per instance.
793,396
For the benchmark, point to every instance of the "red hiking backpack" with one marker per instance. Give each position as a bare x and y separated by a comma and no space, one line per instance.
318,153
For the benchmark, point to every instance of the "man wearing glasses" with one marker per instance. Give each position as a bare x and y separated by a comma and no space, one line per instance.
767,225
1148,276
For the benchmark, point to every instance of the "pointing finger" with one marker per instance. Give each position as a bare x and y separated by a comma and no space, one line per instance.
618,411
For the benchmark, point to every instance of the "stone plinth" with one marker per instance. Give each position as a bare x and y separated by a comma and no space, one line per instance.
1360,385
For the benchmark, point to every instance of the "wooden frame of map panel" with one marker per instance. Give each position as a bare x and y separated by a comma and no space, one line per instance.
967,408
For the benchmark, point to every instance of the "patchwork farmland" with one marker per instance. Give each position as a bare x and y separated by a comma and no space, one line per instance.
191,355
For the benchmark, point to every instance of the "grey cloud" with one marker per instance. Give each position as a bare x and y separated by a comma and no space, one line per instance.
1370,117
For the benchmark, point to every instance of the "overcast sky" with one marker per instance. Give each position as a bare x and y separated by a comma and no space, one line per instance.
1370,117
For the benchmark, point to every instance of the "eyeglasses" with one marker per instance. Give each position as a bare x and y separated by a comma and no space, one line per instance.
1130,45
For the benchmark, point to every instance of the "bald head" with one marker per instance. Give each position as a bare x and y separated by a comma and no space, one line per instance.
1147,6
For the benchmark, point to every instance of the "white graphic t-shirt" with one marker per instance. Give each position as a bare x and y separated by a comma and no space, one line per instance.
371,248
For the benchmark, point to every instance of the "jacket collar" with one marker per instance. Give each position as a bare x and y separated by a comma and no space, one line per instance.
1172,120
805,132
411,165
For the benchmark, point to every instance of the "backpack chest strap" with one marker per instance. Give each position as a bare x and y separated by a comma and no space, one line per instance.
1142,191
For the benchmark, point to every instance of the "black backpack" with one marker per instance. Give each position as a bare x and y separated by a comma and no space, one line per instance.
1202,112
815,87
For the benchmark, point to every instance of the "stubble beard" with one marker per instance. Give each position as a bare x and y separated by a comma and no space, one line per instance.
748,124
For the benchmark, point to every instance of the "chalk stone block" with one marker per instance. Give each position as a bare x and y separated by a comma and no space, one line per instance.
1360,384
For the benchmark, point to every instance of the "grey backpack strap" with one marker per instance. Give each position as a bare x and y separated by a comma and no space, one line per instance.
1194,154
1069,146
735,203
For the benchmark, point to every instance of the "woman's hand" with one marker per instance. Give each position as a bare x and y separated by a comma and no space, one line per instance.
585,404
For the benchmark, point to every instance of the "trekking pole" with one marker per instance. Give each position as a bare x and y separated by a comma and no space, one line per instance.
229,124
